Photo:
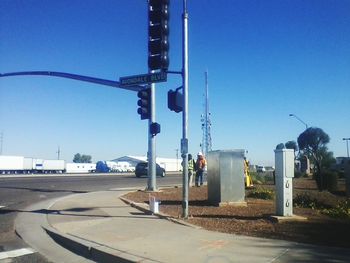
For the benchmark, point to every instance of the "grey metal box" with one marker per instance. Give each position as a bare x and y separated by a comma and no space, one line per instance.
225,177
284,164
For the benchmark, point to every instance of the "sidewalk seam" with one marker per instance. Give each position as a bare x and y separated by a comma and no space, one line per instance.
145,208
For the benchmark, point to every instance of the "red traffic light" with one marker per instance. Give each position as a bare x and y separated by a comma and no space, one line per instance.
144,103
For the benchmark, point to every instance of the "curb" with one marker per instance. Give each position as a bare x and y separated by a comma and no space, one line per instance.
101,253
91,250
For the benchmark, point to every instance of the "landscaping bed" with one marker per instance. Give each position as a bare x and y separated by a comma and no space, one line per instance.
326,223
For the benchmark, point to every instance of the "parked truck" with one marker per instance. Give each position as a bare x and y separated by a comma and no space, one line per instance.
80,167
11,164
53,166
102,167
38,165
25,165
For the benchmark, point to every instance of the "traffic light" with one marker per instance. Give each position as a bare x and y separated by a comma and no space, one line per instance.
175,100
154,128
158,31
144,103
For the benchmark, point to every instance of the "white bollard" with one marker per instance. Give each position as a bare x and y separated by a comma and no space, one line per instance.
284,173
153,204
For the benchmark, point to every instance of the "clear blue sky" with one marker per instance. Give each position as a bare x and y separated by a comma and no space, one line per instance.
266,59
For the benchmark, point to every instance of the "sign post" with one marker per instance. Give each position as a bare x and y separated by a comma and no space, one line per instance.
184,140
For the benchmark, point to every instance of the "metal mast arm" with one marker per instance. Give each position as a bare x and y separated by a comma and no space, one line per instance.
105,82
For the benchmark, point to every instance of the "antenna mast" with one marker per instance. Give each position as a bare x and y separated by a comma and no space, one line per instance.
206,123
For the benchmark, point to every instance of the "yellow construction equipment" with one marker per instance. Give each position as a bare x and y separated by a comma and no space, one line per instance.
247,179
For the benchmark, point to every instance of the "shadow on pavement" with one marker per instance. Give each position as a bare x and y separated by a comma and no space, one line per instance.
45,190
78,212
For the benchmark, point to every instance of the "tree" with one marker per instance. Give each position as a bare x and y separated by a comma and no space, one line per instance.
292,145
78,158
86,158
313,142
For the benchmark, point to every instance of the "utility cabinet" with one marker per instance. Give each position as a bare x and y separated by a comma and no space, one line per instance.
225,176
284,164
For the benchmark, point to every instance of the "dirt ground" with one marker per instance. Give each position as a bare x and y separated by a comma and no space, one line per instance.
254,220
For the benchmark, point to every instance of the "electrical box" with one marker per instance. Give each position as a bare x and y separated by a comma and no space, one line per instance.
225,176
284,173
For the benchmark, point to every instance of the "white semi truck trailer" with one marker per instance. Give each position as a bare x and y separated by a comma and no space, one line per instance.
15,164
53,166
24,165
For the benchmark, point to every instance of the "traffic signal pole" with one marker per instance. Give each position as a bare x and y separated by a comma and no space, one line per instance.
184,141
151,182
158,59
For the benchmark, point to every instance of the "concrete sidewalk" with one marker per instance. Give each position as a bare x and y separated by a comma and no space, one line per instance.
103,228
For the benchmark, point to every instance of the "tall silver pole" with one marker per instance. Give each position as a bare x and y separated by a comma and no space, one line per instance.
1,140
151,183
347,145
206,115
177,159
184,141
58,152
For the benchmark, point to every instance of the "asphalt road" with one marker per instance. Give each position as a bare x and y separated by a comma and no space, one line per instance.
16,193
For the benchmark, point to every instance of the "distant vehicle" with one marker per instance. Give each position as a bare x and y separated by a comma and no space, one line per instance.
24,165
260,169
131,169
12,164
269,168
53,166
102,167
141,169
80,167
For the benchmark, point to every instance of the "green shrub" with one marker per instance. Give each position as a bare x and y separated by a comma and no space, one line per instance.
305,175
341,174
256,178
331,180
304,200
298,174
342,210
262,194
261,178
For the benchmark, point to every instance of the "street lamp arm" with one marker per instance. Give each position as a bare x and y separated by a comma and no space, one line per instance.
105,82
302,121
293,115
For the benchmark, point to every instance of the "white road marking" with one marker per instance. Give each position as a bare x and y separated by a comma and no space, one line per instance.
1,206
16,253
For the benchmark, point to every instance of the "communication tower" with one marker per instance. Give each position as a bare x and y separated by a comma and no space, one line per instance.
206,123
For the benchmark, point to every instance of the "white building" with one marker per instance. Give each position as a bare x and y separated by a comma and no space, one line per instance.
169,164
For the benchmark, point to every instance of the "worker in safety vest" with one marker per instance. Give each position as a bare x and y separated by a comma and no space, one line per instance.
200,166
191,169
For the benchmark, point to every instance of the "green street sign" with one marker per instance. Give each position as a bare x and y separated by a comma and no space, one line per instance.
143,79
